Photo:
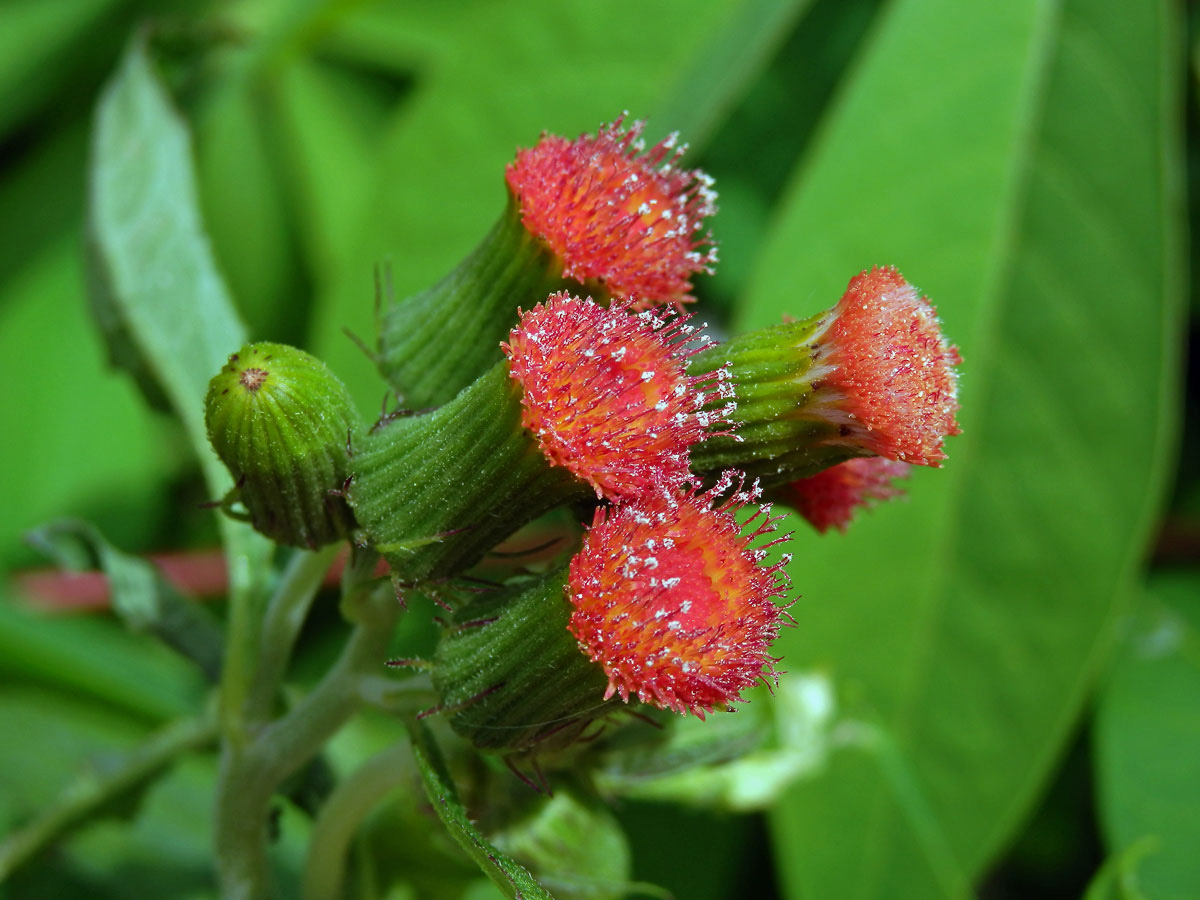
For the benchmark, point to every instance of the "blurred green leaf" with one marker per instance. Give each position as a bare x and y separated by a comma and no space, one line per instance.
113,788
155,272
1019,162
1147,740
97,659
157,279
513,880
37,43
77,434
574,843
80,731
1118,877
245,207
737,51
141,596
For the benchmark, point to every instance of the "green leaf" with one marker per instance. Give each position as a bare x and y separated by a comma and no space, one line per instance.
1018,162
114,788
158,285
65,407
141,596
97,659
242,194
38,43
1118,877
513,880
736,52
156,276
1147,740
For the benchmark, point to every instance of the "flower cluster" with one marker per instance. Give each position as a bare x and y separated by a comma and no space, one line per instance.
675,594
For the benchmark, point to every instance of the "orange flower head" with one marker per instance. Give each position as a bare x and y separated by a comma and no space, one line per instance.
829,498
616,214
607,393
887,371
674,603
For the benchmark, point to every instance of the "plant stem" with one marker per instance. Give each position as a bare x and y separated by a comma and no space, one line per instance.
88,796
281,626
250,774
344,811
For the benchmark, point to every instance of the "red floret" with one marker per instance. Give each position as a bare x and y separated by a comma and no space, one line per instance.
829,498
887,370
673,601
615,215
607,393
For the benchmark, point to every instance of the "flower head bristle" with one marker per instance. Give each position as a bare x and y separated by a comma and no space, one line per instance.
607,393
674,602
889,368
617,214
829,498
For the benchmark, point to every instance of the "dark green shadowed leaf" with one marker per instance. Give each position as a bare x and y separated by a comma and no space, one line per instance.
737,51
1147,740
513,880
1018,162
141,596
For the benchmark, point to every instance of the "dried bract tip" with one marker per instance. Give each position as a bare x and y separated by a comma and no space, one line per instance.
830,498
617,215
889,369
674,602
607,392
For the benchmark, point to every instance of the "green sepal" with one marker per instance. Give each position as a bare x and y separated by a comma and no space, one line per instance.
433,344
281,422
434,493
512,677
780,432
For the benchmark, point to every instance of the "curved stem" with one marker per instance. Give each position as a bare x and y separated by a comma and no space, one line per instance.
344,811
281,626
251,774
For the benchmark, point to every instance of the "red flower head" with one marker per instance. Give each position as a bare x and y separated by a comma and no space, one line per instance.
608,395
673,602
829,498
886,371
617,215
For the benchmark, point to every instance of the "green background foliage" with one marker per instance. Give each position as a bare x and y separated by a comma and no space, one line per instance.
1016,697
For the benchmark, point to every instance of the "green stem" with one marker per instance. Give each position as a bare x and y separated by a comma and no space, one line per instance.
434,344
344,811
250,774
88,796
281,626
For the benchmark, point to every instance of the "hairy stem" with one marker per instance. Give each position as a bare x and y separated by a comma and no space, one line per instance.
281,626
250,774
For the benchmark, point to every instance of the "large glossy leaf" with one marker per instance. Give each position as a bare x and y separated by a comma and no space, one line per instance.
1148,741
1019,162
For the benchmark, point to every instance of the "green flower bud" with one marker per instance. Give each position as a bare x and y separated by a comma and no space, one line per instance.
280,420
